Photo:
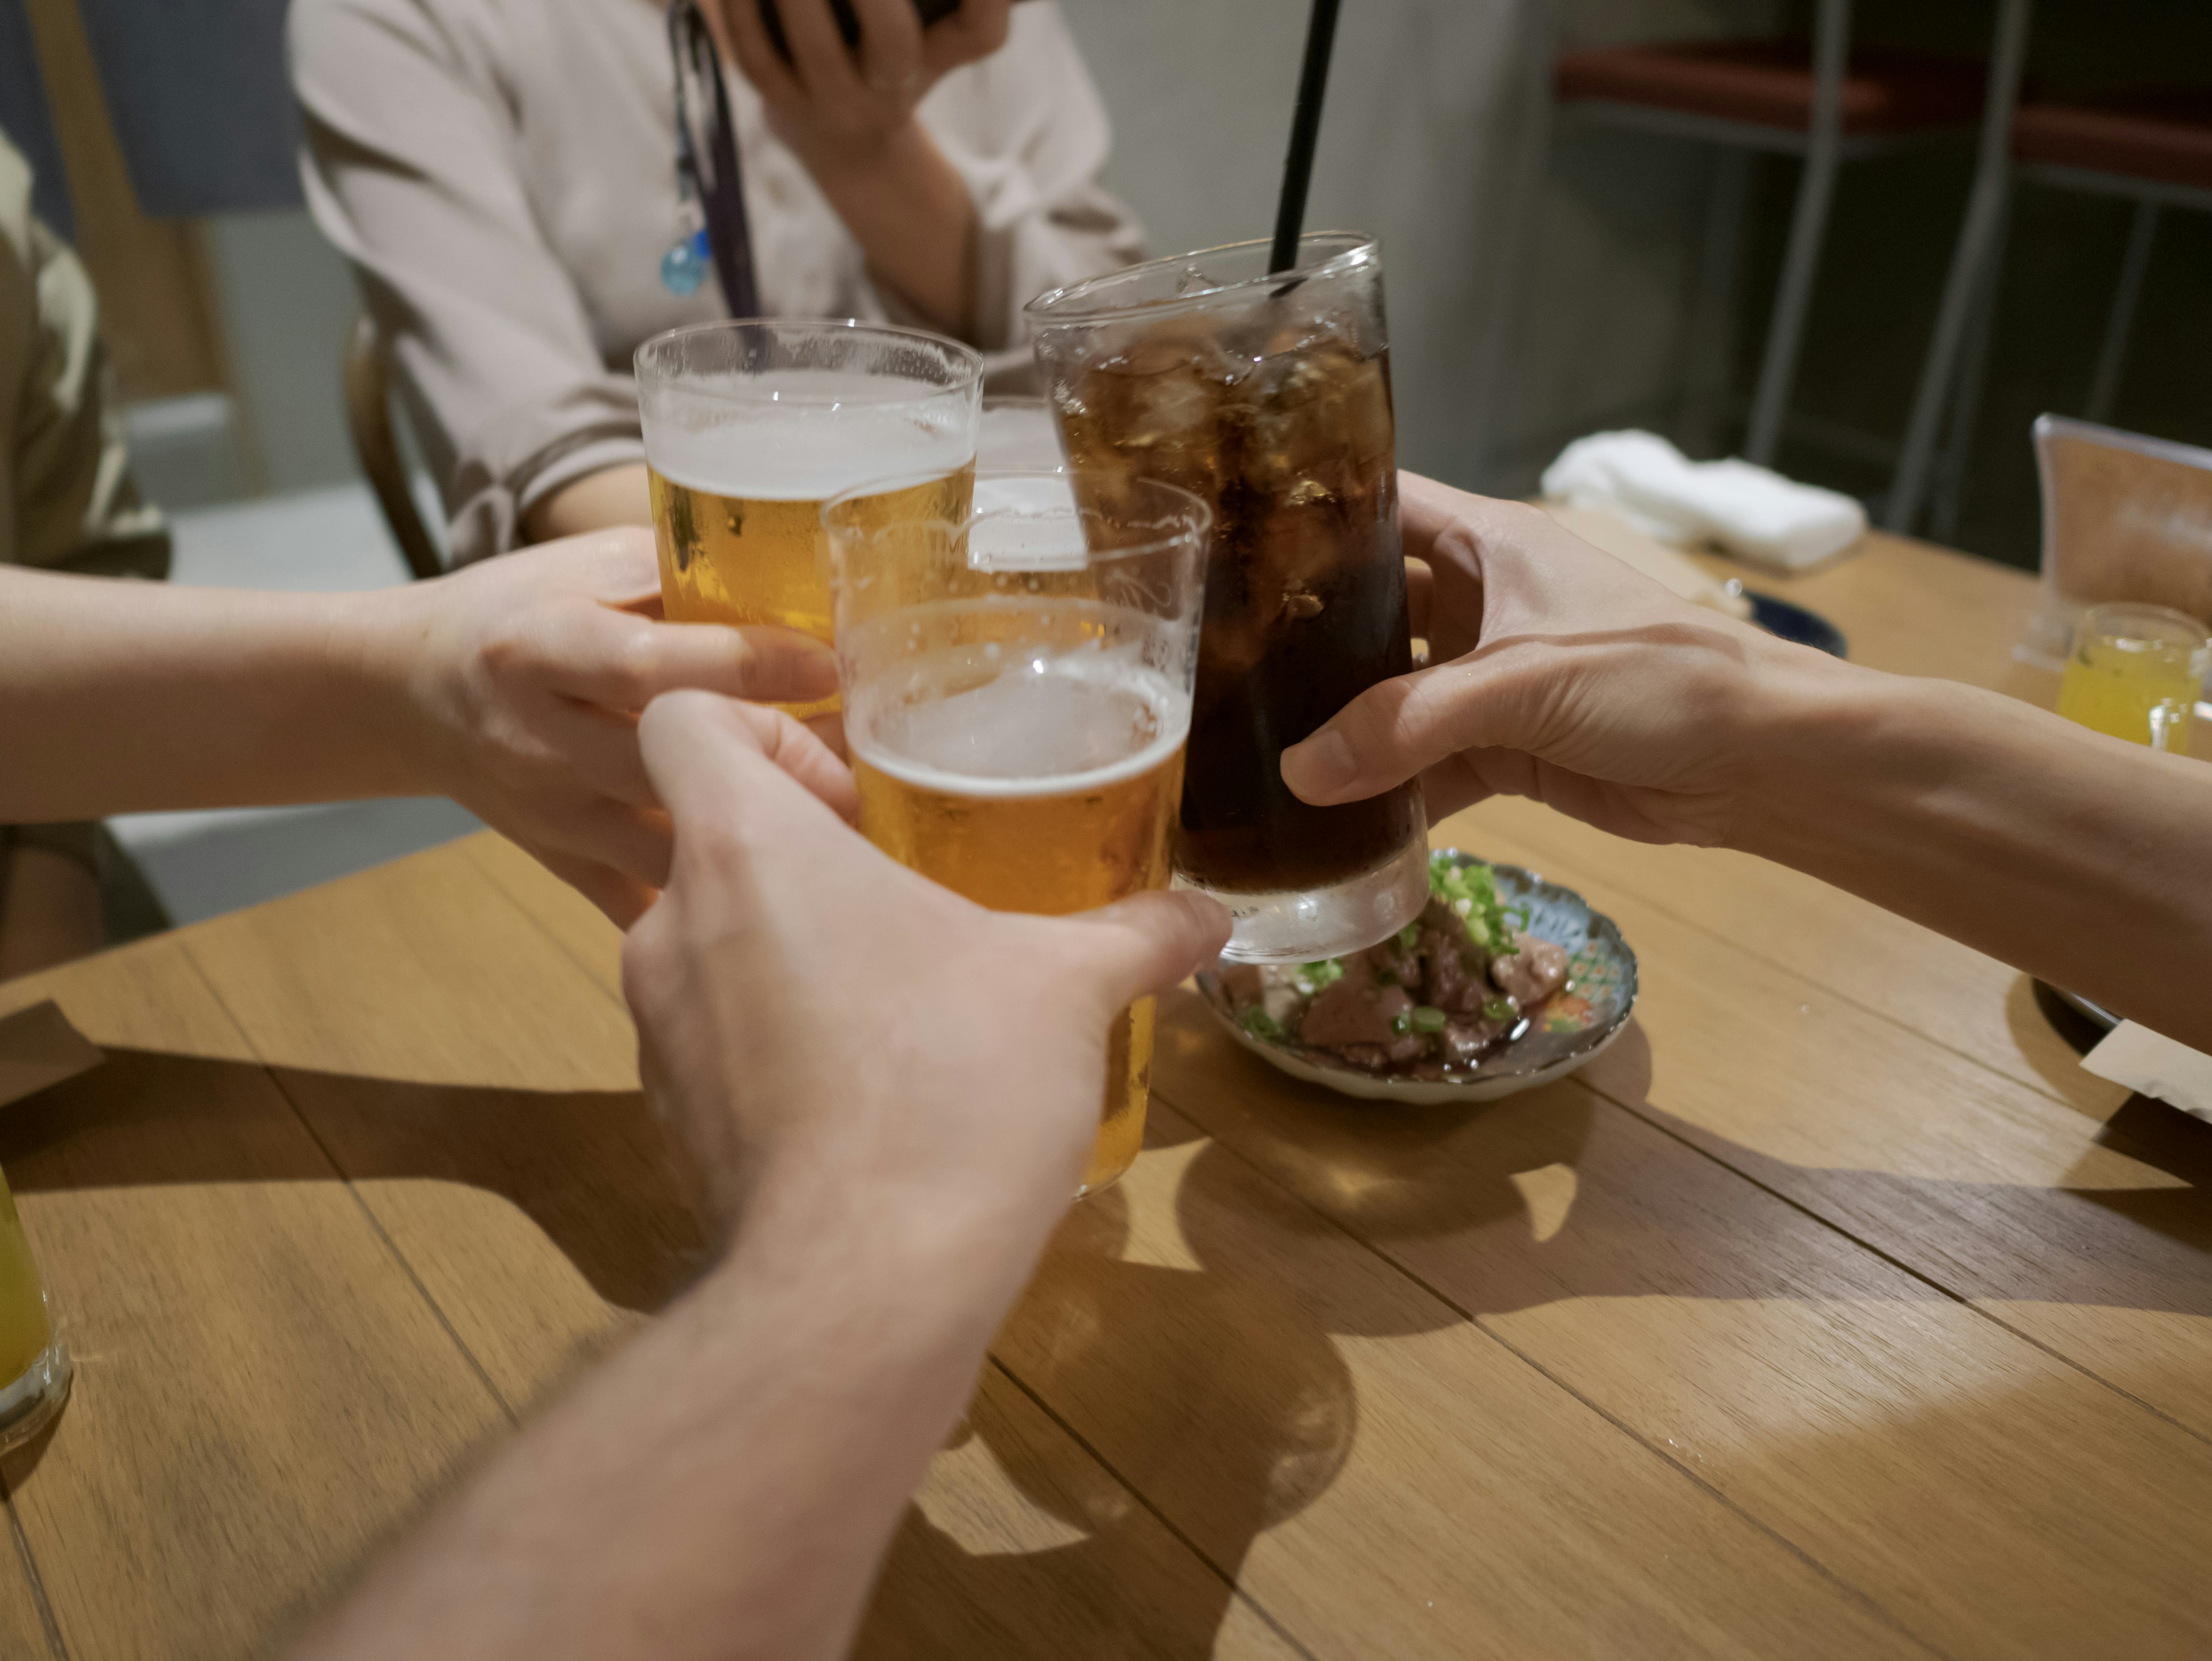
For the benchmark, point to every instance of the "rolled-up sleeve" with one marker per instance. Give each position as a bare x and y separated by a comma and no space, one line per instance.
1029,136
410,169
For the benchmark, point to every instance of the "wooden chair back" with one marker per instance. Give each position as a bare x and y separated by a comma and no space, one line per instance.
376,446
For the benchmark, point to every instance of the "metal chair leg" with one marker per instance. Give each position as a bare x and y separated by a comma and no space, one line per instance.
1974,378
1809,226
1704,376
2111,357
1499,355
1984,208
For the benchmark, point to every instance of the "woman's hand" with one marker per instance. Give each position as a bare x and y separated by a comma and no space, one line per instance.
521,681
848,115
1559,674
838,105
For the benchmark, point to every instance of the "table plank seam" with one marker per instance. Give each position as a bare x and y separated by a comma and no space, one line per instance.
1866,1599
28,1558
1166,1521
1900,1264
498,881
399,1256
275,1077
2036,1086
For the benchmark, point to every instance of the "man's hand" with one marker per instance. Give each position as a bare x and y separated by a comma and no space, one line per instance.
840,106
1557,674
522,680
838,1038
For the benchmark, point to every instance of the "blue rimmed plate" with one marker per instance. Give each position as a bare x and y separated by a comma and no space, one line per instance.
1569,1028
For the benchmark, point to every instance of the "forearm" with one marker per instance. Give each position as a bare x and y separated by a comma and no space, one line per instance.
725,1488
2070,856
615,495
120,696
909,209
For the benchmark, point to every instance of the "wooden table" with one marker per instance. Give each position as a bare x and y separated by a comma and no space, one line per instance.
1835,1311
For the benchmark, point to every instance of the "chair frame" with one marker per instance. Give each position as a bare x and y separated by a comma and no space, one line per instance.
1822,145
367,375
1954,373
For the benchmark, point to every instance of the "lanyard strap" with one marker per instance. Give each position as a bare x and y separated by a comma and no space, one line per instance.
721,192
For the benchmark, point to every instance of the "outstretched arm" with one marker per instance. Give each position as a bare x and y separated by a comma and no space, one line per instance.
892,1134
1562,675
512,687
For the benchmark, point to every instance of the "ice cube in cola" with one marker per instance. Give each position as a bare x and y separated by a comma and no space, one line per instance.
1269,399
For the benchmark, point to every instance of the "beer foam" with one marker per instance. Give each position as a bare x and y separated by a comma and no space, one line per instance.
1049,727
806,434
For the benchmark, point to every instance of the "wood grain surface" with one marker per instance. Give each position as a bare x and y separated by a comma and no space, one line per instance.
1834,1312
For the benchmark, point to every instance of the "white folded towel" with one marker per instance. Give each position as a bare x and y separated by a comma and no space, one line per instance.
1750,511
2154,1065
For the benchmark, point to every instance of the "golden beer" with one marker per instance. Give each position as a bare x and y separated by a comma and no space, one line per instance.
1017,684
751,426
1049,788
757,557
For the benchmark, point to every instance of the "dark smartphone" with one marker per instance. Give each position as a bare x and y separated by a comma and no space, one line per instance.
848,22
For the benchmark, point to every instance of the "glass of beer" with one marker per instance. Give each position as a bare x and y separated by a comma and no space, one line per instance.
1267,396
1017,685
34,1362
2137,672
749,427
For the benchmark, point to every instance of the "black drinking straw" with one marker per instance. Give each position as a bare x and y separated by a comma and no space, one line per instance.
1305,128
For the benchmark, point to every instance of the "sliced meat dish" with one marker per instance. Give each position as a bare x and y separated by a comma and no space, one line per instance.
1356,1011
1535,972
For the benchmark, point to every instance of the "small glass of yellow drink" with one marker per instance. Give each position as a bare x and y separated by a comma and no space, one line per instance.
751,426
2136,672
1017,695
35,1364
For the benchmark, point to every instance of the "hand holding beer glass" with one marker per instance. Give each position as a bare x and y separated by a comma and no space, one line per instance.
1017,684
749,427
1267,396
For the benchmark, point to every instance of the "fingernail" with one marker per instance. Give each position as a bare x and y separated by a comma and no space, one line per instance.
1319,768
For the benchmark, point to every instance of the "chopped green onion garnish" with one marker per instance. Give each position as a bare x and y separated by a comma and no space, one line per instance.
1400,1025
1426,1018
1409,937
1498,1010
1261,1024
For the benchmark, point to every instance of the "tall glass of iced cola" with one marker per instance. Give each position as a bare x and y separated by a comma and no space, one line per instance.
1268,396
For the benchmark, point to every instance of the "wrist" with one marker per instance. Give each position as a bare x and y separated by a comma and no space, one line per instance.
859,158
1808,726
379,641
955,1258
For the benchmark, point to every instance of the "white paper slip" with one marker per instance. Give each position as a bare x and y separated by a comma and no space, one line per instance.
2153,1065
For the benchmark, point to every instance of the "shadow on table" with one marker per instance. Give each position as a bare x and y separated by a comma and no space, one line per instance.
1219,1398
1236,1392
1549,1194
593,1170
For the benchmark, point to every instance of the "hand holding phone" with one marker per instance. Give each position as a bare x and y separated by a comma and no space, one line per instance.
848,20
840,78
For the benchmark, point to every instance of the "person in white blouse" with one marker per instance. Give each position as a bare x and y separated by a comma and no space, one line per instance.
502,177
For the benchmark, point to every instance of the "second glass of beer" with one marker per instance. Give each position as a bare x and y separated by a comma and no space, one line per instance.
1017,685
751,426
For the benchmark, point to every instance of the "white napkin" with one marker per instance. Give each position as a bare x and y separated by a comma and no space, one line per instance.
1750,511
2154,1065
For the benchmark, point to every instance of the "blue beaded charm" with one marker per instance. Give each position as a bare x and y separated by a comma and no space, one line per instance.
685,266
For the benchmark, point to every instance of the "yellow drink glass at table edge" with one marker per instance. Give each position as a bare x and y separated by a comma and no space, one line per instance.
1017,693
751,426
2136,672
34,1362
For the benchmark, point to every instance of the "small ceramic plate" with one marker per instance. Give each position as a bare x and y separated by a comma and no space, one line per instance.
1567,1031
